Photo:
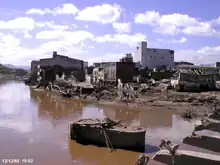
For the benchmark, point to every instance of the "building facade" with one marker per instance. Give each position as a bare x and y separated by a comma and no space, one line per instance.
154,58
125,71
75,66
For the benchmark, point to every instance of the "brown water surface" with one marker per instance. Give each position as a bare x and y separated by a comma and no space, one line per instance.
34,125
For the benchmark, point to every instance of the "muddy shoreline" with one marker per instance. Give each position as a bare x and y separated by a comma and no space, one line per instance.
199,103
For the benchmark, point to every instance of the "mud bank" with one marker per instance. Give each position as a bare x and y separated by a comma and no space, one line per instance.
199,103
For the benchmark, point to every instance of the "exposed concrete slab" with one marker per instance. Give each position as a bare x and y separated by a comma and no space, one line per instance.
184,157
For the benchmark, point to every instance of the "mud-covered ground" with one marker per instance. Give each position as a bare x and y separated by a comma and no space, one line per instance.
199,104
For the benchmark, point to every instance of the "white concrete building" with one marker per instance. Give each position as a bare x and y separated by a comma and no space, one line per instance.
154,58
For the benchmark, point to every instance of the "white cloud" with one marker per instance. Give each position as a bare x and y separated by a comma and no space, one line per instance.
175,23
122,27
86,26
91,47
108,57
205,55
76,36
216,21
19,23
27,35
149,17
52,25
12,50
130,40
10,47
104,13
8,44
204,29
171,30
64,9
175,41
70,38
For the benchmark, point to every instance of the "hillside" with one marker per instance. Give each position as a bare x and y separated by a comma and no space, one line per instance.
17,66
16,72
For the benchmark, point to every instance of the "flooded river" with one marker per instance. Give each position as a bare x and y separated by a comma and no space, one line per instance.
34,125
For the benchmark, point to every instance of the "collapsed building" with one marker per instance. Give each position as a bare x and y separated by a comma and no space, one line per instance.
195,78
48,68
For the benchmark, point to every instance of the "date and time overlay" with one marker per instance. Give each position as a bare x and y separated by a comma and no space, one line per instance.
17,161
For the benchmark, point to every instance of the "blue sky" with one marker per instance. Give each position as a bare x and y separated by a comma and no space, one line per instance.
98,30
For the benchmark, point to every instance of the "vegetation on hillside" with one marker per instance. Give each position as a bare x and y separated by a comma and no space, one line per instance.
17,72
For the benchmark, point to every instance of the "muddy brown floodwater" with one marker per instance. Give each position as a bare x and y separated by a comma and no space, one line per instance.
34,125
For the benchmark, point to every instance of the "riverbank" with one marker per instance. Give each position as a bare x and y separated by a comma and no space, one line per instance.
199,104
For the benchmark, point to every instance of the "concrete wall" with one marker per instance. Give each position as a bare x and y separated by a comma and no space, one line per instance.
125,71
200,79
119,70
193,82
140,52
110,72
156,58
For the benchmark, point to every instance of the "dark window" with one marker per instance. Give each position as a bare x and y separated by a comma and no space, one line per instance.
154,50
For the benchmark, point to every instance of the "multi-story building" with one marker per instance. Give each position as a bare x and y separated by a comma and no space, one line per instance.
154,58
67,64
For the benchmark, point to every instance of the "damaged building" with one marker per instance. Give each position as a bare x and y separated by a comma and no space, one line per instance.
124,71
57,65
195,78
110,72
